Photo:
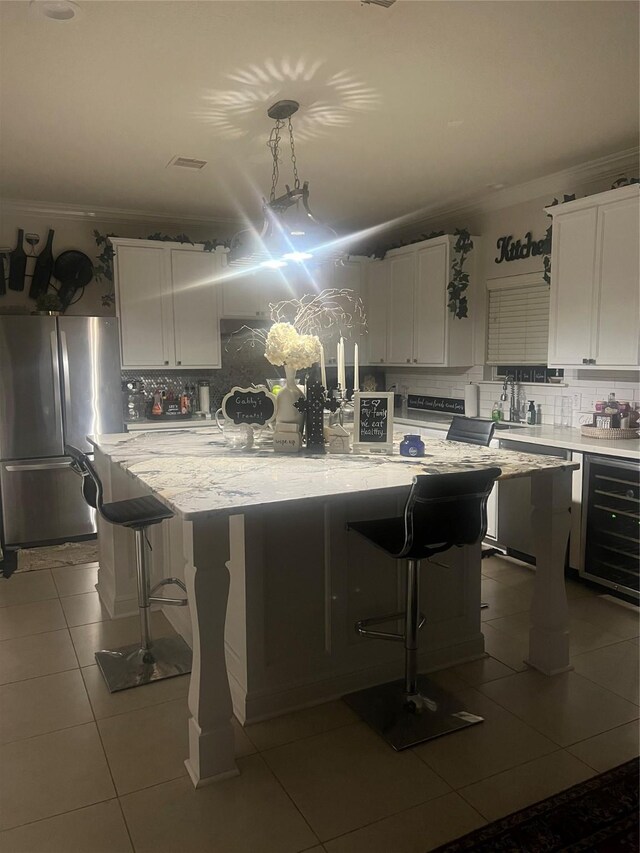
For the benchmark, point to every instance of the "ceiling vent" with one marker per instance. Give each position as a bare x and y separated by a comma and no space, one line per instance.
187,163
385,3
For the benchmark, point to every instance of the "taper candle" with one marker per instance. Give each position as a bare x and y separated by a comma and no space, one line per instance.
356,369
323,372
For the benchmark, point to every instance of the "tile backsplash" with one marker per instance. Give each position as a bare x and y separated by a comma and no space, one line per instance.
583,386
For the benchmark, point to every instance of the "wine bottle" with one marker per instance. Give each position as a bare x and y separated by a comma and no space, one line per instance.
17,264
43,269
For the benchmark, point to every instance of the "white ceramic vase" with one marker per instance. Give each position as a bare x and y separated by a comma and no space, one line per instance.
286,411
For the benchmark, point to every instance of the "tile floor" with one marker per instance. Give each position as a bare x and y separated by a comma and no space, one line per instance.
84,771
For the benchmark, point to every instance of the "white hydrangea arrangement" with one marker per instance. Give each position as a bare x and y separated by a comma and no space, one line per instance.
284,345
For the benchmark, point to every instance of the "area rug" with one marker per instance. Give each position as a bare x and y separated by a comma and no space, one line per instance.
53,556
596,816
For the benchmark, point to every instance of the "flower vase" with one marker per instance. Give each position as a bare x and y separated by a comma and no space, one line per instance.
286,411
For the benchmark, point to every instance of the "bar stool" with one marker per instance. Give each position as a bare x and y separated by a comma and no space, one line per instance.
471,430
442,510
149,660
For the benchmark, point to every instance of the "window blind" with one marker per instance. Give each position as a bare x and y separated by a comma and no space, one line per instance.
518,330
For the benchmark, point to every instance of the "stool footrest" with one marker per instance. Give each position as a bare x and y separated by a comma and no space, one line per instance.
362,627
158,599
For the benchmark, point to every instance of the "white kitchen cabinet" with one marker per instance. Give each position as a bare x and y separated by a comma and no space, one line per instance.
249,296
594,315
411,323
167,304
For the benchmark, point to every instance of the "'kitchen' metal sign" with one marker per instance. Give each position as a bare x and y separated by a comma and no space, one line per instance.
521,249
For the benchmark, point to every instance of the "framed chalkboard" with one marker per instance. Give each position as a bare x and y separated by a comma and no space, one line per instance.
253,406
373,422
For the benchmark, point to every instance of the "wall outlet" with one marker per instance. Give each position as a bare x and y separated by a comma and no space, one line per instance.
588,403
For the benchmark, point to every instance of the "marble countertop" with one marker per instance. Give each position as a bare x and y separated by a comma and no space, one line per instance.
194,472
572,439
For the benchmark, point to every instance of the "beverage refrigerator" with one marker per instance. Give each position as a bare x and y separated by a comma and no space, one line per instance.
59,382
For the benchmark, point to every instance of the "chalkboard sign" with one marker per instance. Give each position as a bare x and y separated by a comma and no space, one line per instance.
436,404
249,406
373,421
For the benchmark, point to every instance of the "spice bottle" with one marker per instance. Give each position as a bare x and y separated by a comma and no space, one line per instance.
531,413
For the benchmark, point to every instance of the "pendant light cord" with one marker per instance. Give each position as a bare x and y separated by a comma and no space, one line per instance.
274,146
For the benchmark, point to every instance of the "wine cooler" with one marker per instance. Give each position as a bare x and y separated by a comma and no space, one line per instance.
611,524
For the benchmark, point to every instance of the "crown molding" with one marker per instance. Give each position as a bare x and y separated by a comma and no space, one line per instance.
612,166
89,213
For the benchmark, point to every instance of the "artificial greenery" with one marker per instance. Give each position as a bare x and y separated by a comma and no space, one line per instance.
546,259
624,182
103,270
49,302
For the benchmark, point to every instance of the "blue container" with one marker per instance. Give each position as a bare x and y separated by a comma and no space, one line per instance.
412,445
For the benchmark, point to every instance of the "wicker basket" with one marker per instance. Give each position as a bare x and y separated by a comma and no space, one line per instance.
613,434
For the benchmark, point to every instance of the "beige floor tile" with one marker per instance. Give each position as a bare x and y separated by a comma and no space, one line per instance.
480,671
42,705
50,774
84,609
243,745
300,724
610,614
517,574
27,587
95,829
503,600
344,779
416,830
146,746
566,708
521,786
20,620
583,636
505,649
500,742
609,749
39,654
245,814
89,639
614,667
107,704
74,580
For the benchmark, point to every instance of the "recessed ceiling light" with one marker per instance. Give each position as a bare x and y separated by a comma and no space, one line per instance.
55,10
456,122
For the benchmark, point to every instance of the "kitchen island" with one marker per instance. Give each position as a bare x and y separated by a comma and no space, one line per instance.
261,542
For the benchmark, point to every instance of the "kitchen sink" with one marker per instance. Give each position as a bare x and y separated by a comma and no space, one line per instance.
510,425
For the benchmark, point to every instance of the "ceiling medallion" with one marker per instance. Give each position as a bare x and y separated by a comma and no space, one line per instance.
290,233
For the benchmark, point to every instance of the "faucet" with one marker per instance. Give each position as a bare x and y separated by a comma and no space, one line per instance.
509,382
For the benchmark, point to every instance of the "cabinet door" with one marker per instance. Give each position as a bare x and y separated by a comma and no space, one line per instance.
377,302
401,309
195,308
572,287
430,320
243,297
618,303
144,307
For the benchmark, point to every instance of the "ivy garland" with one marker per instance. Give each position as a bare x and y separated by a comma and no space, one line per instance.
546,259
103,270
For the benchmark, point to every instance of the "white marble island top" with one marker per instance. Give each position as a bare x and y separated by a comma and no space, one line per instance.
197,475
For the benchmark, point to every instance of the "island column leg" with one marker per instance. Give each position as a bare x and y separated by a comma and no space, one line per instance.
551,521
211,741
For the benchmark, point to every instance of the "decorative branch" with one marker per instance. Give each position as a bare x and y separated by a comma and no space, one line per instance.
457,303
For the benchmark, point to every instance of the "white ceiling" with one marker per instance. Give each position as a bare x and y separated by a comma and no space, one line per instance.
401,108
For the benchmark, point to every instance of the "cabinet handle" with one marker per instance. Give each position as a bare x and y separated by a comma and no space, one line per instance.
381,360
166,362
585,361
178,362
592,361
257,313
408,361
415,360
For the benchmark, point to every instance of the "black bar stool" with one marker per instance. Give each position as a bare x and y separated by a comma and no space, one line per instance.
149,660
442,510
471,430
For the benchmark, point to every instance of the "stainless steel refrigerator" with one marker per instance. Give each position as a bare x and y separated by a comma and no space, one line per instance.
59,382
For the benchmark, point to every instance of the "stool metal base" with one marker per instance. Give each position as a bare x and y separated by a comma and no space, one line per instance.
132,666
384,708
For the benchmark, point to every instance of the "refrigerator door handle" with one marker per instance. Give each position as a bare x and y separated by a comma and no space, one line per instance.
65,369
55,376
39,466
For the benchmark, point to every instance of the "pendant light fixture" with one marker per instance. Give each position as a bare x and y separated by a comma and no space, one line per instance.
290,233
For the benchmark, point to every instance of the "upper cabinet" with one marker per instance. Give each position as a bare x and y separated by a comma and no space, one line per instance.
595,306
409,319
167,303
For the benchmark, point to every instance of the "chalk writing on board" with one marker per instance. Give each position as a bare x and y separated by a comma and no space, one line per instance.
436,404
249,406
374,420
